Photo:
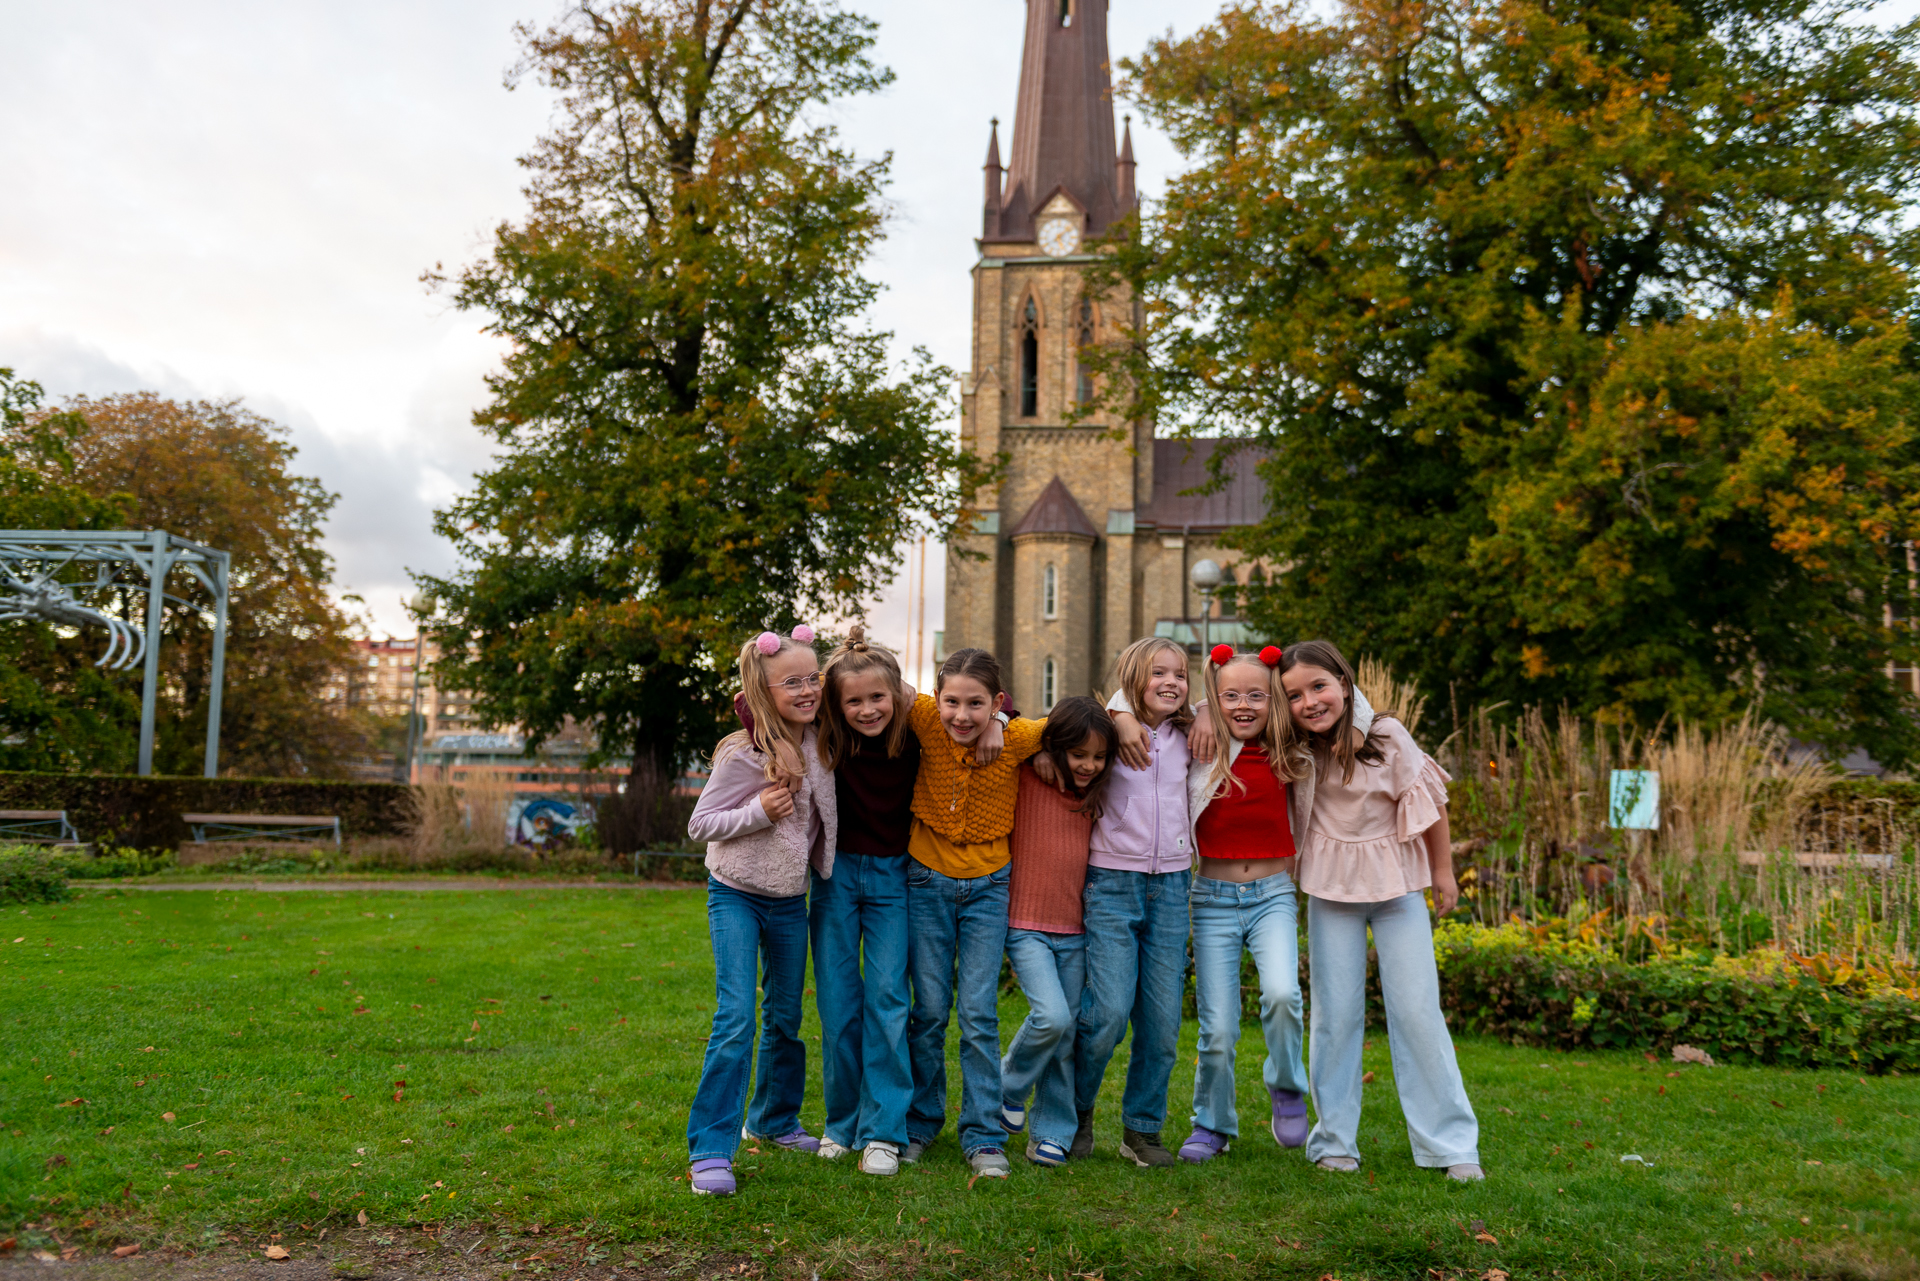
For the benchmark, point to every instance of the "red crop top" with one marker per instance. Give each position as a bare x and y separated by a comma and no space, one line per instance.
1250,823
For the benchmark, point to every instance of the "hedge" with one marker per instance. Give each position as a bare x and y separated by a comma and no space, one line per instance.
144,813
30,875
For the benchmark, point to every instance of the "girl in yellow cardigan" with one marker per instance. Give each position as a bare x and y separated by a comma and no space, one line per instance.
957,903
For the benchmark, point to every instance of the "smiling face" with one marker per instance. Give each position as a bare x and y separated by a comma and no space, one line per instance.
966,706
1086,759
1316,697
866,700
1245,698
1166,691
793,681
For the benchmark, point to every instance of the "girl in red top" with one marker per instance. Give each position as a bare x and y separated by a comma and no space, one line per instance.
1243,897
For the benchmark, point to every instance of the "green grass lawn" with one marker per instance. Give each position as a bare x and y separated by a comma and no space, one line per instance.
240,1056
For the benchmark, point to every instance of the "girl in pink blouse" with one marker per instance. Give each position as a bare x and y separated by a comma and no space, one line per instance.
1376,842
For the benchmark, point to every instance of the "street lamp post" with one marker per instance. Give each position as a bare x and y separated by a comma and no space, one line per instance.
1205,577
422,606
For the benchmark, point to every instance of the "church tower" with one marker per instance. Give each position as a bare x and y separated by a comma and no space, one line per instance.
1070,561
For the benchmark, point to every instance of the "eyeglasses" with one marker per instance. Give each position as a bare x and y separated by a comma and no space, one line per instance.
794,684
1234,698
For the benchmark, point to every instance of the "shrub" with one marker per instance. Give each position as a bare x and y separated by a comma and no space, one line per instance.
32,875
144,813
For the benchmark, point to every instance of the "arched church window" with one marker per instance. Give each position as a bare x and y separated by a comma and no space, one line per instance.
1066,13
1030,361
1083,389
1050,593
1048,684
1229,593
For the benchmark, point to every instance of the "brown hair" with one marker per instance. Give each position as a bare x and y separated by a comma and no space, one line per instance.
1070,722
975,663
769,733
1282,740
855,656
1337,742
1135,665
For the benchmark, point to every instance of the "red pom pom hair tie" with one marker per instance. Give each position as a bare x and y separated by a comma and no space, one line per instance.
1222,655
1270,656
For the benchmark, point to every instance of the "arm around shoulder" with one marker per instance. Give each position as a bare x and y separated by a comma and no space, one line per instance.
730,804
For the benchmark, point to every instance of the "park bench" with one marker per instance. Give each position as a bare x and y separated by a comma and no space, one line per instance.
37,827
210,829
1808,862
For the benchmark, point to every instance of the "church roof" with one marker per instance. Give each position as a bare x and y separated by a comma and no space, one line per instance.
1055,512
1182,464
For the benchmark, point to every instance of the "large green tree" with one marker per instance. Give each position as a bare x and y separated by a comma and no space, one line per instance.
1577,331
698,438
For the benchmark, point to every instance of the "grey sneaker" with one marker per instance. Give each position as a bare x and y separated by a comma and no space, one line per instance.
1145,1150
1344,1164
1466,1172
911,1154
1083,1137
989,1163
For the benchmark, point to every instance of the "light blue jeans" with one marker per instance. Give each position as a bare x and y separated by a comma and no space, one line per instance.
1052,970
860,913
1136,925
959,934
751,932
1262,917
1440,1122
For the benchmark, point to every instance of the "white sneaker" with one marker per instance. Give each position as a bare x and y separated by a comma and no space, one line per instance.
832,1151
880,1157
1466,1172
1344,1164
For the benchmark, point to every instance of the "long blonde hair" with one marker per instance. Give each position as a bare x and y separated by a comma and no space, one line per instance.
1135,665
854,656
1285,753
769,735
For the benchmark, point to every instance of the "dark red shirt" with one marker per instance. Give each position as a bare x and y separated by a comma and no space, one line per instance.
1249,821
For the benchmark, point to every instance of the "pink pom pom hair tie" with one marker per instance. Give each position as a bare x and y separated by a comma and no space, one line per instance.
803,634
767,643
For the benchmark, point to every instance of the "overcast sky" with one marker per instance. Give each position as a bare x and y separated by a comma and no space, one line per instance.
210,199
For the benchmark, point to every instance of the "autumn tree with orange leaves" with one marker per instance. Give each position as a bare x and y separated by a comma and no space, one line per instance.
1580,334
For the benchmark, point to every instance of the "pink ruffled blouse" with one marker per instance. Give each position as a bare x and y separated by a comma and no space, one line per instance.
1365,844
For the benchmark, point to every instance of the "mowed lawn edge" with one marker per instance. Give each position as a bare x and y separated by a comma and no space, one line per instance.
522,1056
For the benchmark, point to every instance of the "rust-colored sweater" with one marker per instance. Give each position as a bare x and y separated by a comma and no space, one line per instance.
1049,859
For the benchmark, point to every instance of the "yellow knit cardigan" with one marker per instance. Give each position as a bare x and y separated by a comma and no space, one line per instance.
967,803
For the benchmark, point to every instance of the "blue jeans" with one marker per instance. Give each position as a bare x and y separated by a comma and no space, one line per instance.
747,929
1440,1121
1136,925
959,933
1262,917
1052,970
863,1016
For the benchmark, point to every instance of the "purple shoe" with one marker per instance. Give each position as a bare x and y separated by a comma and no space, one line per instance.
798,1141
1289,1118
1203,1145
713,1177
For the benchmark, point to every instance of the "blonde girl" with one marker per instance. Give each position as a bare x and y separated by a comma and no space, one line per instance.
957,903
1377,841
768,813
1245,811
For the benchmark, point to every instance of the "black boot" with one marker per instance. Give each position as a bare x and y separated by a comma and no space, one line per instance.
1083,1137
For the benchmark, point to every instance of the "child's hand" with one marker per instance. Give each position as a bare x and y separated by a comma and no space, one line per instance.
1135,750
1200,740
992,739
1043,768
777,801
1446,893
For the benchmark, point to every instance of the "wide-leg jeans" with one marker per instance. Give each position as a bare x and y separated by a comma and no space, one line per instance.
754,937
1262,917
1441,1125
1039,1061
959,934
858,920
1136,924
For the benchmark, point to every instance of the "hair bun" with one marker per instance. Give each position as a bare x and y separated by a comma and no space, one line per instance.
857,638
1222,655
1270,656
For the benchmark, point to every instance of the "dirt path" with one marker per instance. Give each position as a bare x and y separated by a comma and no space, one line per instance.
476,883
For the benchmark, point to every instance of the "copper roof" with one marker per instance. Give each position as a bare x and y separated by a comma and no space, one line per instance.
1055,512
1182,464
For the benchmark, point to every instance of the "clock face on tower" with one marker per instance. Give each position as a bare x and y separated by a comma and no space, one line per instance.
1059,237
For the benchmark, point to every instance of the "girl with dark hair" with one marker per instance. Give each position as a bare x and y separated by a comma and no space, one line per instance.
1377,841
1046,941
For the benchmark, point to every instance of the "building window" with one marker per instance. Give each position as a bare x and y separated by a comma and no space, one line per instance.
1050,593
1083,389
1030,361
1048,683
1066,13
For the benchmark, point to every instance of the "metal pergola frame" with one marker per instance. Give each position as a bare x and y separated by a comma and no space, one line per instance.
157,554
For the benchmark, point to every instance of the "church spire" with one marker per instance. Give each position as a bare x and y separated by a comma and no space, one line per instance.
1129,200
1063,125
996,172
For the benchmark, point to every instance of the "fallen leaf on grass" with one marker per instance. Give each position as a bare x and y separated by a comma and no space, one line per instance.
1813,1163
126,1251
104,1133
9,1245
363,1218
1509,1111
166,1116
74,1103
1486,1238
69,1254
1289,1245
1366,1078
278,1252
46,1256
1496,1274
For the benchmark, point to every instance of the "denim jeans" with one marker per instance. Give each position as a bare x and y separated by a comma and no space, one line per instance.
1262,917
1136,925
749,933
862,912
1440,1121
959,933
1052,969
